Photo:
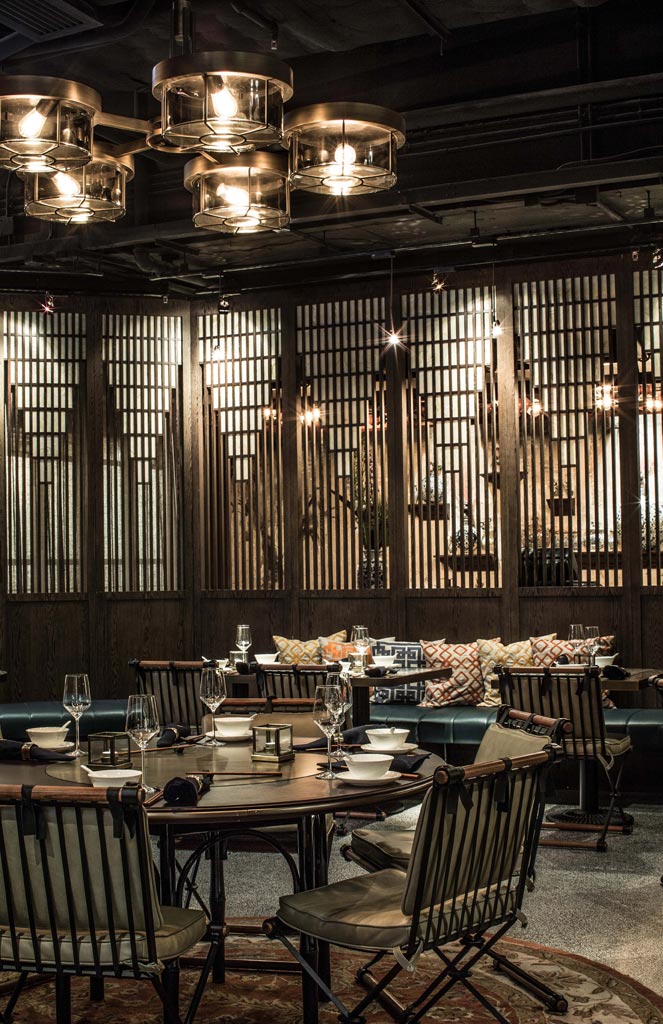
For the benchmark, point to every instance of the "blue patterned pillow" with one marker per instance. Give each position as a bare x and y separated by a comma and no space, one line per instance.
408,656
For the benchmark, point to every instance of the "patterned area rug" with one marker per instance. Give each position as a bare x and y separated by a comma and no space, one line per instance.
596,994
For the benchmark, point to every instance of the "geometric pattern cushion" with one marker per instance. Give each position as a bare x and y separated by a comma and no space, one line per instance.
408,656
493,653
335,650
466,683
547,649
303,652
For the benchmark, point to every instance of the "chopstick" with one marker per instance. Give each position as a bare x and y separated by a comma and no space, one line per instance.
153,799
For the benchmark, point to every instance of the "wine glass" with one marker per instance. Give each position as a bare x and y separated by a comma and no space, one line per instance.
243,639
76,700
361,640
213,692
142,724
577,639
342,680
327,711
592,642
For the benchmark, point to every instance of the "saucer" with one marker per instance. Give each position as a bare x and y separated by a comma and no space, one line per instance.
405,748
59,748
352,781
235,738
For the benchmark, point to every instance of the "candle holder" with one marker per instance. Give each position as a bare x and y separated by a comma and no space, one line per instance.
272,742
108,750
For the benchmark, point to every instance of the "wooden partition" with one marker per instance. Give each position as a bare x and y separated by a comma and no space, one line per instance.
169,472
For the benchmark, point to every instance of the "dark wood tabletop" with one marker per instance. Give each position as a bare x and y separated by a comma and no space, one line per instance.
362,684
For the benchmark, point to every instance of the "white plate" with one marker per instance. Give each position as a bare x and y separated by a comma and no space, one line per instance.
235,738
60,748
405,748
387,777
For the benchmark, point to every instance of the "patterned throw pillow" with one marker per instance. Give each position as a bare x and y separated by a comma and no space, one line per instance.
334,650
547,649
408,656
303,652
493,653
466,683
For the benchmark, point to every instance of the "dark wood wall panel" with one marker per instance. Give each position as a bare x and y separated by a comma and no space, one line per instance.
47,639
459,619
652,633
648,303
133,628
544,612
221,614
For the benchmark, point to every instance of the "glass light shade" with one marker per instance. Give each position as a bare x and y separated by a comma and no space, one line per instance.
45,123
84,195
239,194
343,149
225,102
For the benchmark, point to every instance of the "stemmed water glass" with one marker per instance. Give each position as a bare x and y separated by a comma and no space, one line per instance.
213,692
327,711
243,639
577,639
592,642
342,680
76,700
142,725
361,640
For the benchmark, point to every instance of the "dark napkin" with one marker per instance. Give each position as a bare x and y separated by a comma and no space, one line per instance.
356,735
14,750
186,792
615,672
376,671
407,763
172,734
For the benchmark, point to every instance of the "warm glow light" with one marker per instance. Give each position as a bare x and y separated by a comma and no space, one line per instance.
393,338
80,218
233,196
343,155
605,397
497,328
535,408
224,103
653,404
310,417
66,184
30,126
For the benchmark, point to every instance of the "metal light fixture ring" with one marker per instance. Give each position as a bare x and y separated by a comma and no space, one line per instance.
45,123
239,193
226,102
343,149
84,195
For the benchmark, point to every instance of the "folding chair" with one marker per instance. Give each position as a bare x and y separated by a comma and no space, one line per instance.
78,896
513,733
576,695
471,860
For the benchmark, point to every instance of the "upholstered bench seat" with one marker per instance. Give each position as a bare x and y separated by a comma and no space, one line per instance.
103,716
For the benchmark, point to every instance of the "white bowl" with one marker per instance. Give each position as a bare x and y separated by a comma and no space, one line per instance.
384,660
345,666
112,777
387,739
368,766
265,659
46,735
232,725
605,659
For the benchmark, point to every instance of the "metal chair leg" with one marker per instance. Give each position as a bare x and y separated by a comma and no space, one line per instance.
13,999
62,999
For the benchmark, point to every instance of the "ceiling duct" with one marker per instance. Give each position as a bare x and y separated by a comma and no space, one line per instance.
40,20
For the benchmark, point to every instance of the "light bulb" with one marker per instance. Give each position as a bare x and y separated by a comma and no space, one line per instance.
224,103
66,185
80,218
344,154
238,198
30,126
497,328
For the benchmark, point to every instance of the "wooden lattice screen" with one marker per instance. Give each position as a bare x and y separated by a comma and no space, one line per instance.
648,295
45,452
142,452
452,466
343,436
569,445
241,479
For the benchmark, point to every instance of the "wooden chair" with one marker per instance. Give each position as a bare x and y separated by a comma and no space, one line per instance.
472,857
176,686
575,694
78,896
295,683
513,733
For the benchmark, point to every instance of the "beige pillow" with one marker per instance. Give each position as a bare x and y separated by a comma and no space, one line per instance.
304,652
494,652
465,685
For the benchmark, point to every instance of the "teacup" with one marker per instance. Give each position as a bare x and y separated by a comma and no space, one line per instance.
368,766
114,777
232,726
266,659
48,735
387,739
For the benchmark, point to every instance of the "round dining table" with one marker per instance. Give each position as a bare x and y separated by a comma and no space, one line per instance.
247,798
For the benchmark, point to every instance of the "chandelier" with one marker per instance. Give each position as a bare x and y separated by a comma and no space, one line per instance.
95,192
239,193
45,123
343,149
227,102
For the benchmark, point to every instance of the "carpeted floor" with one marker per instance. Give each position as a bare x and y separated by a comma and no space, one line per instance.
605,906
596,995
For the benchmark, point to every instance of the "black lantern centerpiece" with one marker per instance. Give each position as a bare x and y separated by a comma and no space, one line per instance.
272,742
108,750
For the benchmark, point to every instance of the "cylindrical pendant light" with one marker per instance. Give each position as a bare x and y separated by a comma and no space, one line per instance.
83,195
239,193
226,102
45,123
343,149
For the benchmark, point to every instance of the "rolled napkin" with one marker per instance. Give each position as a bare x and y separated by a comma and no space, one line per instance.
14,750
171,734
615,672
376,671
351,736
186,792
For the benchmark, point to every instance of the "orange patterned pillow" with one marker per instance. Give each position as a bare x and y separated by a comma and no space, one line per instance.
547,649
466,683
303,652
333,650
